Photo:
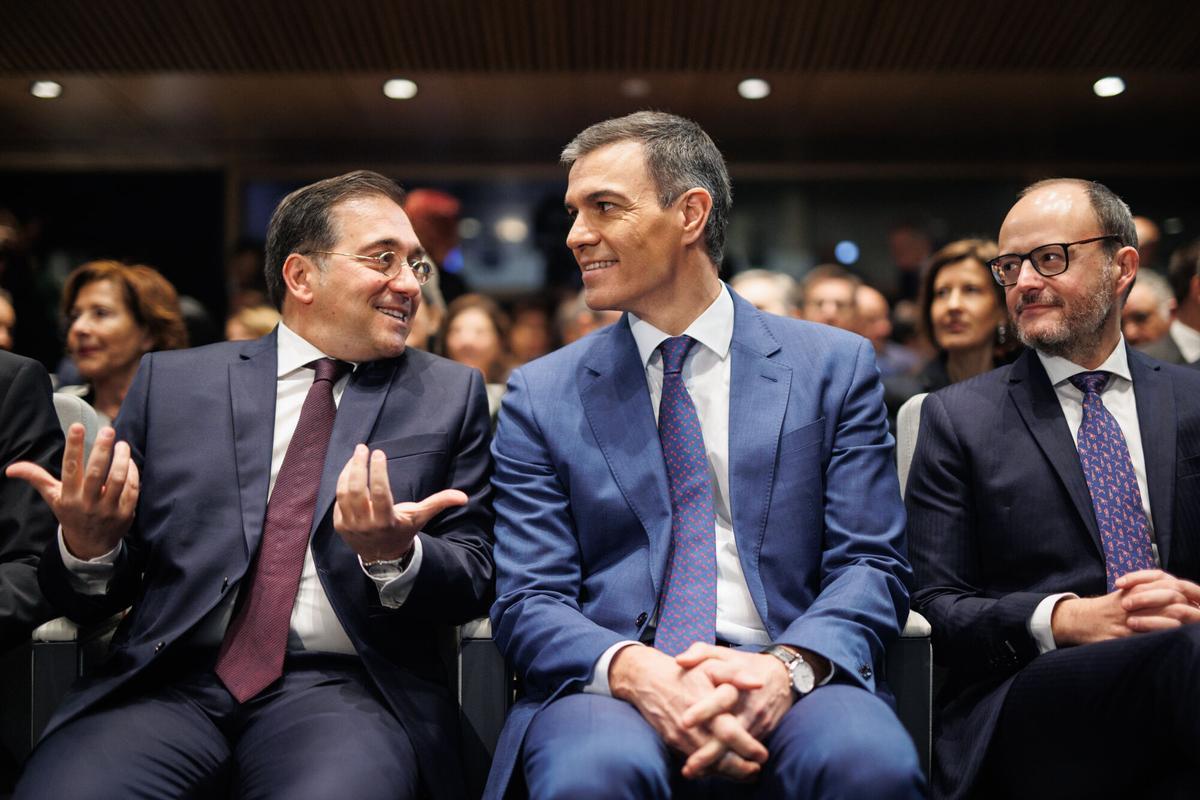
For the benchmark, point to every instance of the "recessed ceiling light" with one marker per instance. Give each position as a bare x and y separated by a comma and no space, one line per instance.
1108,87
47,90
400,89
635,87
754,88
511,229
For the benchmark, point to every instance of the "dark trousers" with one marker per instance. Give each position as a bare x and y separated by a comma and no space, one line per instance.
1113,719
321,731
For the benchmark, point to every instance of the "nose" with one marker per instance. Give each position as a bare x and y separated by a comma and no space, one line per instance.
581,234
405,282
1028,279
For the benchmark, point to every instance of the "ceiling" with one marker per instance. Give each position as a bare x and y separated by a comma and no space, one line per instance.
860,87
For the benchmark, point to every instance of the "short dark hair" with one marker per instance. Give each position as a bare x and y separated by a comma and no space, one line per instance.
301,222
1182,268
679,156
1112,213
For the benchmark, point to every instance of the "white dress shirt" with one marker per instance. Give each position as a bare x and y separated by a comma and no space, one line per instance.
314,625
1118,398
1187,339
706,374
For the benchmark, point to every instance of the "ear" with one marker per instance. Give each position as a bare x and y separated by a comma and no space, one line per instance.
695,205
1127,260
299,276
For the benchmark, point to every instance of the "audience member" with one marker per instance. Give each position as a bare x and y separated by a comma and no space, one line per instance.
607,540
473,333
575,319
29,431
1054,527
8,320
1181,345
284,634
1149,237
875,323
435,217
773,292
531,334
424,331
251,322
1148,311
827,296
116,313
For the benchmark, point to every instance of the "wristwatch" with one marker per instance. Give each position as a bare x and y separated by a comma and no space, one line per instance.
387,569
800,671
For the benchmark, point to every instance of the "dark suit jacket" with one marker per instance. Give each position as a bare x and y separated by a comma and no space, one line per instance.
29,431
999,517
200,425
584,515
1164,349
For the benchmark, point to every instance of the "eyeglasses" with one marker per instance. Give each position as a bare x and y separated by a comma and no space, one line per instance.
389,264
1048,260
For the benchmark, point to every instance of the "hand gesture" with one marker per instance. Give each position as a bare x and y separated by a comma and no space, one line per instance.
95,503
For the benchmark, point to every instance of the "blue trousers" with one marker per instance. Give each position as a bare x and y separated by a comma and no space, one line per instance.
318,732
839,742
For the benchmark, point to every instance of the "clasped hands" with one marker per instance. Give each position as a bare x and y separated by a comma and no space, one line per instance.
1144,601
713,704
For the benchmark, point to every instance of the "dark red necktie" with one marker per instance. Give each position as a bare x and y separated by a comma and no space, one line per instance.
251,655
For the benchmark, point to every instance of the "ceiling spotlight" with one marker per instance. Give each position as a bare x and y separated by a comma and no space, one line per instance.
511,229
635,87
1108,87
47,90
400,89
754,88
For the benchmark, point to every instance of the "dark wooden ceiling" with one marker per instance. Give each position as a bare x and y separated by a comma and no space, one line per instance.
509,81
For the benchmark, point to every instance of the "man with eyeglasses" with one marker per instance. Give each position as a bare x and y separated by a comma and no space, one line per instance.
1054,529
293,520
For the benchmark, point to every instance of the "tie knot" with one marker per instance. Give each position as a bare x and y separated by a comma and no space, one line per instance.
329,369
674,351
1089,382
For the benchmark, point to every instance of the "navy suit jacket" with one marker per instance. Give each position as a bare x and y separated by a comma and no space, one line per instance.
584,516
999,517
200,425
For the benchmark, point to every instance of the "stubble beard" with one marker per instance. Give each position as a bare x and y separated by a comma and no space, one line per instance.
1078,332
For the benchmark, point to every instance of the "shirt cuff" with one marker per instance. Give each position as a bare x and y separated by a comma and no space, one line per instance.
90,576
599,682
394,591
1039,622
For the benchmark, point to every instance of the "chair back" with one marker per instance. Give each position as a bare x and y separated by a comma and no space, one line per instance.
71,409
908,425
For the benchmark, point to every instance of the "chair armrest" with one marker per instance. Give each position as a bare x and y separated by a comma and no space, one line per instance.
479,628
62,629
916,627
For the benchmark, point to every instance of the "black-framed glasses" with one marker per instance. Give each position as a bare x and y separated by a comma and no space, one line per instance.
1048,260
389,264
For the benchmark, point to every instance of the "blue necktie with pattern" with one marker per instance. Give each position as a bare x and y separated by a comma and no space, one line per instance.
688,612
1116,498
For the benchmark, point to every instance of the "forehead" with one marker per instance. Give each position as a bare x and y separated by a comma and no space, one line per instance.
619,167
831,286
966,269
1060,212
372,219
101,290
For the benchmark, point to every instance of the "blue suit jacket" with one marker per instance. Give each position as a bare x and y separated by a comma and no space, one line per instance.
584,517
1000,517
200,424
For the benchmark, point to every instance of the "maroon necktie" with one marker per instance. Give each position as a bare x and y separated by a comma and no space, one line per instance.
251,655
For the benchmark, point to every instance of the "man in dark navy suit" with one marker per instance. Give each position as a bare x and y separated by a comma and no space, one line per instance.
1054,528
282,640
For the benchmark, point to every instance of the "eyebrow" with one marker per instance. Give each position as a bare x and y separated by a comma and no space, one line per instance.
394,245
592,197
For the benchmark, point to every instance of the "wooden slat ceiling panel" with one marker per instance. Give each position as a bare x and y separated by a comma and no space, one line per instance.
231,36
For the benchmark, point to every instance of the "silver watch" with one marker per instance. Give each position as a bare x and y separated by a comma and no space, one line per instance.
800,671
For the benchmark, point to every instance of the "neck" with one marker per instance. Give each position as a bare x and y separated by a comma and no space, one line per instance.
109,391
691,295
963,364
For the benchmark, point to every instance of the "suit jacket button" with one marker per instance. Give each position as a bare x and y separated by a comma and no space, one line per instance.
865,672
159,646
641,619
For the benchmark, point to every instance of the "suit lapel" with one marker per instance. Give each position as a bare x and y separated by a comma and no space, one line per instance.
758,398
1155,397
616,402
1038,406
252,390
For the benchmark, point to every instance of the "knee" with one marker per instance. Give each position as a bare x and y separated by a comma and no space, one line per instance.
880,766
605,769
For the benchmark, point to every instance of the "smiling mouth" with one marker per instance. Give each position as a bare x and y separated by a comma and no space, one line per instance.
395,314
595,265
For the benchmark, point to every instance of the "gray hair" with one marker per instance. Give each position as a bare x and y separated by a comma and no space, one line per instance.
679,156
301,222
1161,290
1112,213
784,284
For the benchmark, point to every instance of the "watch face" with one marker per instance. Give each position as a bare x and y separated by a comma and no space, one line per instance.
803,677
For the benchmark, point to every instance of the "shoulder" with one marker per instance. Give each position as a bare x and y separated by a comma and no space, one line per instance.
13,367
436,367
968,399
560,366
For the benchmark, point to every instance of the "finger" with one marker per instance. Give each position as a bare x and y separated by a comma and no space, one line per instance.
117,475
703,759
1190,590
95,473
1152,599
46,484
72,463
356,501
737,768
730,731
731,673
719,700
381,489
435,504
133,488
1148,624
1131,579
699,651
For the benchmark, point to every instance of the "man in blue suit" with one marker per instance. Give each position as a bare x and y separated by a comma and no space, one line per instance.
1054,525
757,550
283,635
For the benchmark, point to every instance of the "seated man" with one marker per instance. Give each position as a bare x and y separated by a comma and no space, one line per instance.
283,635
29,431
698,474
1054,527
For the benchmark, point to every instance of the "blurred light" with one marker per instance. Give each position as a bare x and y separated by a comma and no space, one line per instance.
754,88
846,252
511,229
400,89
635,87
47,90
1108,87
469,228
1173,226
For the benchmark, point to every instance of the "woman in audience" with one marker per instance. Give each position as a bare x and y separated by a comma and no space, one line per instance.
251,322
473,333
964,314
116,313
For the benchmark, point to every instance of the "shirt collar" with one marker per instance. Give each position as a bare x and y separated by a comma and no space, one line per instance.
713,329
294,351
1187,339
1059,369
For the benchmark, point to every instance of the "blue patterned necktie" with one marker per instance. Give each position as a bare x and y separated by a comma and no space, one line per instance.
688,612
1116,498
